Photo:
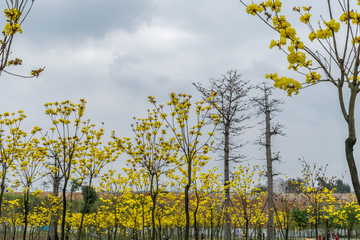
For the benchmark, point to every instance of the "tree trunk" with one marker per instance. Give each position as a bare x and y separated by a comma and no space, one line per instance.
350,142
269,173
153,235
86,201
143,217
63,220
5,228
211,224
2,189
26,212
246,229
54,217
227,229
187,213
159,220
195,220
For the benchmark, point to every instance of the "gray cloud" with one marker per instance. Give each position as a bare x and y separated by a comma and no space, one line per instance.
56,20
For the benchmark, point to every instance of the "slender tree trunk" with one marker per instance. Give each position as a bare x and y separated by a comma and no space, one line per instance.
143,218
63,220
2,188
116,220
246,229
54,217
26,212
349,234
5,228
83,212
269,173
211,224
159,220
350,142
153,235
14,236
195,219
327,229
227,229
187,188
153,194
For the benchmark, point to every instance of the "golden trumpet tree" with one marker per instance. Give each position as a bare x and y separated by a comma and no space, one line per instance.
65,147
323,46
94,157
11,136
28,170
39,217
320,199
15,12
204,183
188,129
12,218
152,155
115,187
248,205
347,216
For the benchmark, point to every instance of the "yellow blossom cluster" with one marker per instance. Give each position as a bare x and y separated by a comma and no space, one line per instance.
12,26
288,84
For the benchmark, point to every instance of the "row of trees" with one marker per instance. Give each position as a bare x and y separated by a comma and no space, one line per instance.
125,209
168,143
168,150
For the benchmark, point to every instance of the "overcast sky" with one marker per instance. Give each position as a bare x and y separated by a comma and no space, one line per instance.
114,53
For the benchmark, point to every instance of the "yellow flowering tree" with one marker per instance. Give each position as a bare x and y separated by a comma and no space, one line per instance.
188,137
38,218
139,183
114,187
204,184
104,221
248,205
12,217
319,198
328,52
212,211
10,147
28,170
94,157
177,218
346,216
65,147
130,212
15,13
152,154
284,212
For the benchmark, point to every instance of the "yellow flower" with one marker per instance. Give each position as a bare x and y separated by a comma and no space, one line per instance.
12,28
305,18
333,25
312,77
253,9
12,14
312,36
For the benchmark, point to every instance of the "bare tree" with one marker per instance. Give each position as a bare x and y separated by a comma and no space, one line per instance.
232,104
269,107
